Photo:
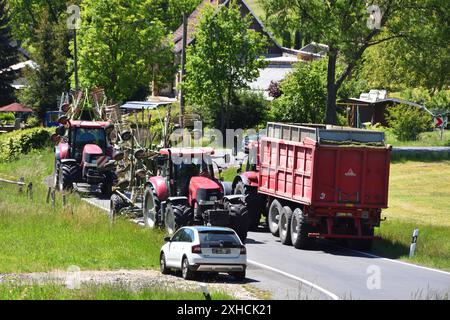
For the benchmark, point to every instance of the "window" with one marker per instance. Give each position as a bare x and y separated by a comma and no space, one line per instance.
216,238
177,236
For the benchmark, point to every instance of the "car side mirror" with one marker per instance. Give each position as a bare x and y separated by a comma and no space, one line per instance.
167,239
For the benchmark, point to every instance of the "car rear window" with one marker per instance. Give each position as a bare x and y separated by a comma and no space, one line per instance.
213,239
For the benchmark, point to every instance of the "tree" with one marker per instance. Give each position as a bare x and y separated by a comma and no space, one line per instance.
122,45
8,56
50,77
344,26
223,59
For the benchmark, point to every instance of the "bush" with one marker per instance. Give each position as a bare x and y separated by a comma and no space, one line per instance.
8,117
407,122
33,122
20,142
248,110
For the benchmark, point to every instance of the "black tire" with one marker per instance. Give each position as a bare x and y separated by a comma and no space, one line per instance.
162,264
273,218
252,203
300,230
56,176
285,226
186,273
68,174
239,220
177,216
107,185
150,208
116,204
239,276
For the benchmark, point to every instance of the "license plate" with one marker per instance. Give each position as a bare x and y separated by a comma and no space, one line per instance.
221,251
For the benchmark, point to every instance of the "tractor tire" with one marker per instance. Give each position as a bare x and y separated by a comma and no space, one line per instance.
252,203
68,174
177,216
273,218
285,226
300,230
56,176
239,220
116,204
150,208
107,185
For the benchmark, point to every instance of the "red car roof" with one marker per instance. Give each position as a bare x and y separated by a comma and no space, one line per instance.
187,151
89,124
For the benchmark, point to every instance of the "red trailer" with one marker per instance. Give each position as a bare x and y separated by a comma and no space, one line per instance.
319,182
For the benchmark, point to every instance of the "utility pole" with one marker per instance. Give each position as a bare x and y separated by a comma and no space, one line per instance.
183,69
75,56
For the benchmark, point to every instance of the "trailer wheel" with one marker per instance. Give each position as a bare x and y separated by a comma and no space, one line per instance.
68,174
116,204
252,203
285,226
274,217
299,231
176,217
150,208
239,220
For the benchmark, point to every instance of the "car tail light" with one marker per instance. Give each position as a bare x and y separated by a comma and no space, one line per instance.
243,250
197,249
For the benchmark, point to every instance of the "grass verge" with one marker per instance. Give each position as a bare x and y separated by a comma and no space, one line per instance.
14,291
36,237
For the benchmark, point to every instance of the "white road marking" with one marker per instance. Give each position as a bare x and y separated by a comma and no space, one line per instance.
398,261
308,283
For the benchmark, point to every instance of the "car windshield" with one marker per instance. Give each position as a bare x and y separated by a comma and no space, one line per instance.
218,238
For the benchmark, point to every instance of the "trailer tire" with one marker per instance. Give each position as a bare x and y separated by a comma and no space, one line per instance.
299,231
285,226
252,203
116,204
150,208
273,218
177,216
239,220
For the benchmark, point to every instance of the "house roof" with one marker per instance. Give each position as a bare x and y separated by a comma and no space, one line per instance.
15,107
194,19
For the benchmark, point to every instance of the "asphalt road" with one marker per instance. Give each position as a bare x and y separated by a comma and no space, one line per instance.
331,272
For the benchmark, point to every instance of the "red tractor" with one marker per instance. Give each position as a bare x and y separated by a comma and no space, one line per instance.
186,192
84,155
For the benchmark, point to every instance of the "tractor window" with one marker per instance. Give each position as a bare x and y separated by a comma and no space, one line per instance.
187,169
83,136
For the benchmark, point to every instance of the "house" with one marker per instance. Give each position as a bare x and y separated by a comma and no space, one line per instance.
280,60
371,108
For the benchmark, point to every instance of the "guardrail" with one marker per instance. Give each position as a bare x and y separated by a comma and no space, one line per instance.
21,184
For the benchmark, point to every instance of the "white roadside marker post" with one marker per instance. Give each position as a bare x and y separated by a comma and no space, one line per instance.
412,249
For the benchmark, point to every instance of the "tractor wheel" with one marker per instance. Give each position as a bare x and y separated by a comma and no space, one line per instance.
252,203
299,231
116,204
285,226
150,208
274,217
177,216
68,174
239,220
107,185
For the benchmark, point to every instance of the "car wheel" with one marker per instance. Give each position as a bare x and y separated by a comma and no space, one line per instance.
162,264
187,273
285,226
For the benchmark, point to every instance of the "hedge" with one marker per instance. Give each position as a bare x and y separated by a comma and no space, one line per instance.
13,144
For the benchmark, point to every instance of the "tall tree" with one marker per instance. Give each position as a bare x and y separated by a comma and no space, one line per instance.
50,78
349,28
120,45
8,56
226,56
